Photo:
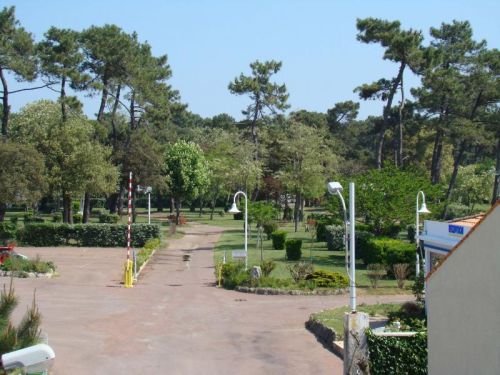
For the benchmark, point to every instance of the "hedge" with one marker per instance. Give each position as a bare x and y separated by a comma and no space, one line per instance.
269,228
279,238
91,235
397,355
327,279
293,249
389,251
8,230
334,235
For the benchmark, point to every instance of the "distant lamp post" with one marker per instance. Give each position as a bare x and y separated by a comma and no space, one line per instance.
234,210
335,188
422,210
146,190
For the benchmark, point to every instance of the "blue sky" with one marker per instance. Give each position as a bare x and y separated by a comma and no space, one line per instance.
208,43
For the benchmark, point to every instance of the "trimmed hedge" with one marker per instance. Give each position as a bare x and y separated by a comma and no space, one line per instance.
106,218
269,228
279,239
326,279
397,355
91,235
293,249
389,251
8,230
334,235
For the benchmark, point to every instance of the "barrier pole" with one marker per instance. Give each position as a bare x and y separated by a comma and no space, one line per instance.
129,266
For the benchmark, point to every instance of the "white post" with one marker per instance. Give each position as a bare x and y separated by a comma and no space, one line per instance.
417,239
149,208
352,230
246,229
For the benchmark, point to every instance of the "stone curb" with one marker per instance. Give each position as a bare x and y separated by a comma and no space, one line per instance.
145,263
35,275
276,291
326,336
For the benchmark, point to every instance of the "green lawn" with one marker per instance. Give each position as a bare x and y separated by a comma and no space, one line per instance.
233,239
334,318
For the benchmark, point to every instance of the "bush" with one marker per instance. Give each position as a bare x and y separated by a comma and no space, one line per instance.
279,239
91,235
410,233
456,210
300,271
388,230
77,218
14,219
293,249
238,216
96,212
375,272
389,251
269,228
233,275
362,243
326,279
334,235
267,266
401,273
29,218
57,217
222,213
397,355
145,253
16,264
106,218
8,230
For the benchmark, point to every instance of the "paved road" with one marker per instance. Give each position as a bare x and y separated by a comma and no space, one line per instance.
174,321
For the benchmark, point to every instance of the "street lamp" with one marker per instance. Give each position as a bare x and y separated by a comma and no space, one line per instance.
335,188
146,190
234,210
422,210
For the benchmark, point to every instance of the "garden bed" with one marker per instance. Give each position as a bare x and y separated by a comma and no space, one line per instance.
293,292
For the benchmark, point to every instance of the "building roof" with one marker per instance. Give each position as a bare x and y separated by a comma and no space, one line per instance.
468,221
473,229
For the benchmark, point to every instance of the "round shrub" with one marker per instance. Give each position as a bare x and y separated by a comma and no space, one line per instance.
334,235
362,246
293,249
14,219
326,279
8,230
106,218
77,218
279,238
56,217
389,251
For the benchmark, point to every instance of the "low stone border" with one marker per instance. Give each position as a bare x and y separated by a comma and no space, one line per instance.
275,291
47,275
326,336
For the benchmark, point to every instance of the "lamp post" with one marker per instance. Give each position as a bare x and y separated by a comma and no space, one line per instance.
234,210
146,190
335,188
422,210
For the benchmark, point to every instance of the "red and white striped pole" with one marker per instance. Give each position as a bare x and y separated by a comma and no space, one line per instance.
129,279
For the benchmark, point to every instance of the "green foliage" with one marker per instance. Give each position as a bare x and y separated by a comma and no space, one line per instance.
410,233
107,218
293,249
375,272
326,279
17,264
145,253
300,271
57,217
91,235
397,355
234,274
77,218
389,251
455,210
8,230
322,221
30,218
362,243
269,228
279,238
335,237
418,287
267,266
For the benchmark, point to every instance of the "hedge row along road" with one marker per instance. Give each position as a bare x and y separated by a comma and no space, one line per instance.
174,321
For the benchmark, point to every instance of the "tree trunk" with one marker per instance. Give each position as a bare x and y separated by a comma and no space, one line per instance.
212,208
119,205
177,210
496,184
458,160
201,207
159,202
62,98
6,107
67,209
86,208
296,210
113,113
132,111
3,209
437,155
172,205
104,98
399,154
113,203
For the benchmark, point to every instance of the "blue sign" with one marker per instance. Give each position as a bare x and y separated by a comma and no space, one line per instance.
456,229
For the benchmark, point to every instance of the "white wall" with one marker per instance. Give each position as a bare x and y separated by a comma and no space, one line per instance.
463,306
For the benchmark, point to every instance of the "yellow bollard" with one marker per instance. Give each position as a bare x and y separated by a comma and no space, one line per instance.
129,274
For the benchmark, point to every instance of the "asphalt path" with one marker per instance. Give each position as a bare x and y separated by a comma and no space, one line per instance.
174,320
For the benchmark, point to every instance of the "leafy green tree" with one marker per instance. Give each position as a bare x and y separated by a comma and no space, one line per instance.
17,56
386,197
61,58
21,175
473,185
266,97
261,213
187,172
74,160
401,47
342,113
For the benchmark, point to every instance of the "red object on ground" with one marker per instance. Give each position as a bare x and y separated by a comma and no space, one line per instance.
6,252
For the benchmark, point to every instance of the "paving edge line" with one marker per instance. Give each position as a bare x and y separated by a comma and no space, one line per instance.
145,263
276,291
326,336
